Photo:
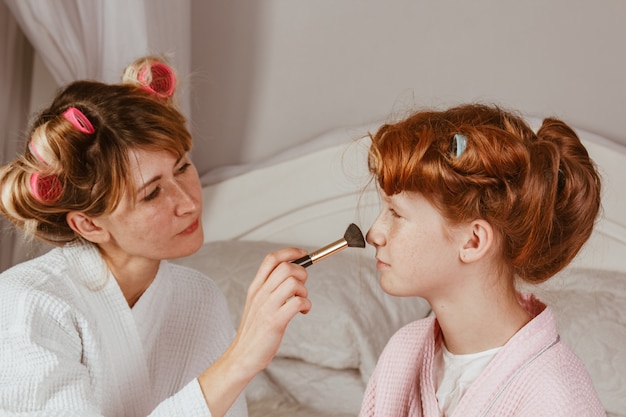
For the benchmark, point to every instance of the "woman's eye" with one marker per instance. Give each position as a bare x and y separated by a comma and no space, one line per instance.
184,168
153,194
394,213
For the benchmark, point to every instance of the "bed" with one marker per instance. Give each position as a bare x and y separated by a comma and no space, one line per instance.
306,197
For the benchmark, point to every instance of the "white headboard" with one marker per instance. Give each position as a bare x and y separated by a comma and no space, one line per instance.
308,196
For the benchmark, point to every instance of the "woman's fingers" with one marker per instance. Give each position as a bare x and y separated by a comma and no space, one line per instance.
275,296
274,270
289,298
271,261
276,282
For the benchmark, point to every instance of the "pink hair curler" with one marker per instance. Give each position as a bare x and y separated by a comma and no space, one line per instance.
163,80
46,189
79,120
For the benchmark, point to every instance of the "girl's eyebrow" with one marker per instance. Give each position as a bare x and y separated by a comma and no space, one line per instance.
387,198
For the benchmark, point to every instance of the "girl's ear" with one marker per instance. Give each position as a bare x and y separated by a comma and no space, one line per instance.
86,227
477,242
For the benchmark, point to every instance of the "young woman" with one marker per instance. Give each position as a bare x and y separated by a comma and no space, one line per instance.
473,202
102,325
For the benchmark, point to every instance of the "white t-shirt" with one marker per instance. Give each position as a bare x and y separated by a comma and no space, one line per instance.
455,373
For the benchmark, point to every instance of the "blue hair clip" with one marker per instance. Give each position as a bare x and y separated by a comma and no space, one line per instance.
459,144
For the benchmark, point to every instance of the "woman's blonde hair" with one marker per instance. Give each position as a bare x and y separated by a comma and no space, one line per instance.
541,192
91,167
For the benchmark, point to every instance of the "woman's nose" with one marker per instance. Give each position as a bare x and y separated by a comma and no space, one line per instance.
185,201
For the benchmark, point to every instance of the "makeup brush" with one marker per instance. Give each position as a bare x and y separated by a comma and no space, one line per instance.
353,238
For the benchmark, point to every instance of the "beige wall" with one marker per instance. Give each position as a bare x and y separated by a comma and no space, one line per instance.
282,72
272,73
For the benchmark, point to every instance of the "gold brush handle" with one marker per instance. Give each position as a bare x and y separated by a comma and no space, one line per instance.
321,253
328,250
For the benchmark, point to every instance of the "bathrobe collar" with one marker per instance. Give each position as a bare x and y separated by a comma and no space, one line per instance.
123,343
527,344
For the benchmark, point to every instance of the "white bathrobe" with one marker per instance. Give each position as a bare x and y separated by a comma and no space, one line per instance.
71,346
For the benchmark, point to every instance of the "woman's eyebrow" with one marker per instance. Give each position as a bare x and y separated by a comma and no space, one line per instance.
156,178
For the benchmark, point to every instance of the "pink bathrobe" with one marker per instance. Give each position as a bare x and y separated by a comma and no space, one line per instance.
533,375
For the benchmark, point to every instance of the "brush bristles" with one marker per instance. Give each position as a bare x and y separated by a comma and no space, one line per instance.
354,236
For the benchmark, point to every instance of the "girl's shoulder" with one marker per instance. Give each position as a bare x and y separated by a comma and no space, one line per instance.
413,335
558,378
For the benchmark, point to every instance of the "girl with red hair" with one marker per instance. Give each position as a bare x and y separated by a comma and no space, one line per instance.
473,203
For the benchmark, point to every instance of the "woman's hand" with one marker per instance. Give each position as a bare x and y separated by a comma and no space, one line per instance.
274,297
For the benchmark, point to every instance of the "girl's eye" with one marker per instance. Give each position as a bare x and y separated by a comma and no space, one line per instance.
153,194
394,213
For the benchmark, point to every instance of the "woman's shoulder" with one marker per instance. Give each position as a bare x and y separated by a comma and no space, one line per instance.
189,281
192,296
34,273
37,293
188,274
61,268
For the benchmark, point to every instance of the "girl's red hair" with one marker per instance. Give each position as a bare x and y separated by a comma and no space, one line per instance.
541,192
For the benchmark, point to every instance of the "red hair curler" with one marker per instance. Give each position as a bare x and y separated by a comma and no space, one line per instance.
46,189
162,82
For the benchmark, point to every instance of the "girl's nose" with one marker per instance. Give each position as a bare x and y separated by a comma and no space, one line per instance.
374,235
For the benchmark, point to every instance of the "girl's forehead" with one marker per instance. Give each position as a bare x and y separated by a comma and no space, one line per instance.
403,196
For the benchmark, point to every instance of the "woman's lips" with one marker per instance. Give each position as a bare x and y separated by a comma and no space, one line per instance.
192,228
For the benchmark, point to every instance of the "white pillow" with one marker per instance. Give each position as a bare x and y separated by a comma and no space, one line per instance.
351,319
590,308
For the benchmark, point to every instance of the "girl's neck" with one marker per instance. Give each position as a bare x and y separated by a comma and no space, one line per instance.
480,320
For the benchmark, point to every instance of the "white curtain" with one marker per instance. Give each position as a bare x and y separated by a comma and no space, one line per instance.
96,38
85,39
15,77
